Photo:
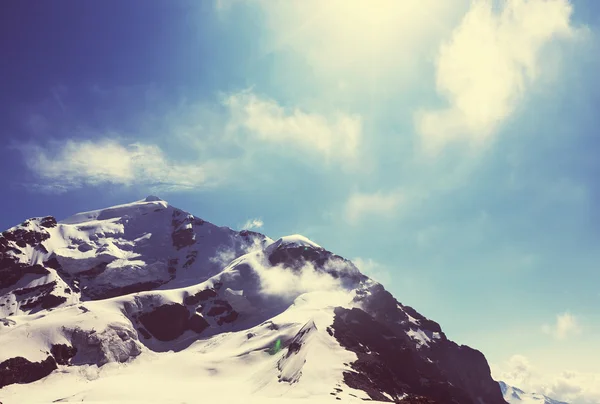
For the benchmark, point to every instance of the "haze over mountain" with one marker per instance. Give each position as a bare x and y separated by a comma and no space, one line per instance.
144,301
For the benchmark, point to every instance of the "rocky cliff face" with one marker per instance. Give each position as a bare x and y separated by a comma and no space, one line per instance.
116,284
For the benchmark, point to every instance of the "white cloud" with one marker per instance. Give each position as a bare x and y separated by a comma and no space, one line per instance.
566,325
373,270
223,257
287,283
485,69
518,371
365,204
355,41
334,138
253,224
75,163
569,386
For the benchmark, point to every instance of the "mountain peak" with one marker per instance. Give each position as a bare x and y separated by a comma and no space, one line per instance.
114,284
294,240
153,198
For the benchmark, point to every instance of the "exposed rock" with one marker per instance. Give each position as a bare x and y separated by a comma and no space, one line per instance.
48,222
63,353
224,303
172,266
21,370
11,271
51,301
296,257
191,258
183,233
26,237
144,333
216,310
201,296
183,238
45,288
388,363
52,263
94,271
170,321
166,322
197,323
229,318
113,344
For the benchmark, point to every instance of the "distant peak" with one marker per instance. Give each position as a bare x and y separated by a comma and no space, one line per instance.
153,198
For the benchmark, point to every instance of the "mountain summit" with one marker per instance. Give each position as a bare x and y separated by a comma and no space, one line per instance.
144,302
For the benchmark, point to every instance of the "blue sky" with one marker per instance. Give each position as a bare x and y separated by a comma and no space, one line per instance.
451,148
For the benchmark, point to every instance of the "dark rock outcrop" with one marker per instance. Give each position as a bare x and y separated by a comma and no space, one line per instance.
40,289
197,323
11,271
48,222
21,370
63,353
229,318
170,321
389,362
11,242
50,301
183,233
166,322
144,333
296,257
201,296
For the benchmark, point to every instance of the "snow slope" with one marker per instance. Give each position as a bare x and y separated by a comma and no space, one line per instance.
514,395
143,302
104,253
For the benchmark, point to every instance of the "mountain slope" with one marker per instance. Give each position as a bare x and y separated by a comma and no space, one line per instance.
92,302
514,395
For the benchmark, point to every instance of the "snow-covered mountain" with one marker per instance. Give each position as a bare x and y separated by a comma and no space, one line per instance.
146,303
514,395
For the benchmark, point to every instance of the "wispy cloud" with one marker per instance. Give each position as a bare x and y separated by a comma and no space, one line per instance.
566,326
516,371
75,163
335,138
253,224
206,143
379,203
373,270
485,69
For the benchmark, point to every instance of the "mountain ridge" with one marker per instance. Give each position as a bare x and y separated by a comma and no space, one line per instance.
514,395
125,283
